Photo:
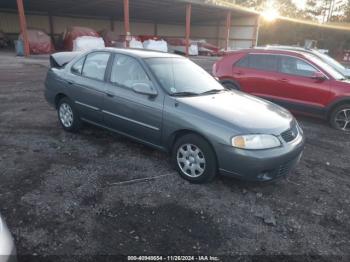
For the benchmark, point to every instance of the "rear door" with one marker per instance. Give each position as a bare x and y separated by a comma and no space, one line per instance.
257,73
87,85
299,90
126,111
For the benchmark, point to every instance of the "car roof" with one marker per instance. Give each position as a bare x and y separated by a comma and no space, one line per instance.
140,53
263,50
288,47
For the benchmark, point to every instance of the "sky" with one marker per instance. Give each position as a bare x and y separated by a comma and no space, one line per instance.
300,3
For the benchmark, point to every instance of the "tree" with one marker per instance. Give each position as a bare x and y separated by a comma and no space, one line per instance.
341,11
256,4
326,10
284,7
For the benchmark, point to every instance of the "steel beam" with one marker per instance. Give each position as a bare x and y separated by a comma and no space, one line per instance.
23,27
228,29
256,31
188,27
127,22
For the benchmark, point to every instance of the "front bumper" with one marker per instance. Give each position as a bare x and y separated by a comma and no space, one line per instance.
260,165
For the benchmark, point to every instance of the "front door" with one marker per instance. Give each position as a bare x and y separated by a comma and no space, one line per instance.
299,90
133,114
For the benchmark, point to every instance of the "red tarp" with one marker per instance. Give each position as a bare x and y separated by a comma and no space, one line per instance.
74,32
144,38
39,42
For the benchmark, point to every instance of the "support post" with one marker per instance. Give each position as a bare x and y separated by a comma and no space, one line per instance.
228,29
188,27
52,33
256,31
23,26
111,24
127,22
156,29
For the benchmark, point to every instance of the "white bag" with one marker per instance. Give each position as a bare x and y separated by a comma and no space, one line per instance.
135,44
86,43
155,45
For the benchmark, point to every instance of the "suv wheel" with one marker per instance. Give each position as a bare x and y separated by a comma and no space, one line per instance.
340,118
67,115
194,159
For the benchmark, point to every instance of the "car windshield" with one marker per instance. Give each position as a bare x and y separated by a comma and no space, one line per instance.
180,76
331,61
328,68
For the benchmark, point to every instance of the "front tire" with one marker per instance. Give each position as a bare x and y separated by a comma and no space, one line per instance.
68,116
194,159
340,118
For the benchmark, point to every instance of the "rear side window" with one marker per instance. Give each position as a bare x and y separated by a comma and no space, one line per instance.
259,62
95,65
78,66
296,66
127,71
263,62
244,62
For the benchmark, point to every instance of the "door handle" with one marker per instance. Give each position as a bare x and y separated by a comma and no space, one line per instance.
238,73
70,82
284,80
109,94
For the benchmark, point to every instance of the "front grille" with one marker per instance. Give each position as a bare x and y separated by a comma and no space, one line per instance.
284,170
281,171
290,134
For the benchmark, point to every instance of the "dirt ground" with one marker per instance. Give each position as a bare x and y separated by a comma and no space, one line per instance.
97,193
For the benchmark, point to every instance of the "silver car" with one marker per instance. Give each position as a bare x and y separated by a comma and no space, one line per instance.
7,247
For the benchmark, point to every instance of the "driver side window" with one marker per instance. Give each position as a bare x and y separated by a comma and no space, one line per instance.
296,66
127,71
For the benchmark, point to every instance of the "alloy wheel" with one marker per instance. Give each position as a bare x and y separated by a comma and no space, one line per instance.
191,160
66,115
342,119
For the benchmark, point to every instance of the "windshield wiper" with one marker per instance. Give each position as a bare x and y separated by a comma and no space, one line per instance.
185,94
212,91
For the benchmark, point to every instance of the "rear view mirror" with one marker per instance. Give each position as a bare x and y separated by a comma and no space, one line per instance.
145,89
318,76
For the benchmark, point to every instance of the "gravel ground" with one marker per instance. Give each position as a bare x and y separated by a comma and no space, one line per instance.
97,193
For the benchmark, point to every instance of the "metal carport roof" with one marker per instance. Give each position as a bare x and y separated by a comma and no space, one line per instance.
170,11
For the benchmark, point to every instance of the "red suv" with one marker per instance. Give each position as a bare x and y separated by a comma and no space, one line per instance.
298,81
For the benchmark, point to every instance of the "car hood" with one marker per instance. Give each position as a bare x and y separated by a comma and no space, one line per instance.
347,72
241,111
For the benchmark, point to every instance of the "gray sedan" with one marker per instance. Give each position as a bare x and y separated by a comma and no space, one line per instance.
168,102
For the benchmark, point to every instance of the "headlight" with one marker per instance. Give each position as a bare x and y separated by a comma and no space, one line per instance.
255,141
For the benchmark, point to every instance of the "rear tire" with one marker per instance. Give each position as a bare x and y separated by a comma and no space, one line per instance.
194,159
340,118
68,115
230,86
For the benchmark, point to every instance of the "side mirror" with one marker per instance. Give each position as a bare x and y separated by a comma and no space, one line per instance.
319,77
145,89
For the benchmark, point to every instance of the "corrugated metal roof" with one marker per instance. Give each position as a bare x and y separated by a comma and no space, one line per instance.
151,10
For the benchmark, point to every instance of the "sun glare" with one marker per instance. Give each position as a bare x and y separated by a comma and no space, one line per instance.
270,14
